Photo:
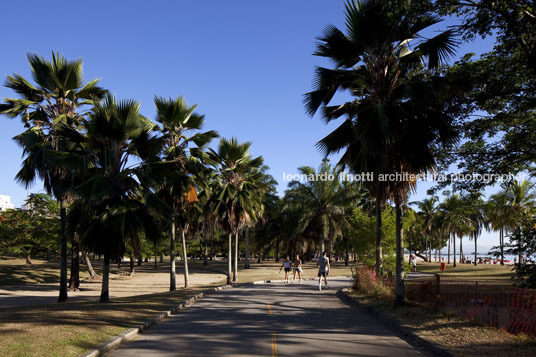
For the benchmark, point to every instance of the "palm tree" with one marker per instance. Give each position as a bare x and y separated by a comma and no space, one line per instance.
456,219
499,217
521,198
56,99
477,217
268,186
113,188
427,212
321,201
180,127
440,230
238,190
395,122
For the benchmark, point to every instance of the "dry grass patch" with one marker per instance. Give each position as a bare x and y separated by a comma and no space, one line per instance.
496,272
460,336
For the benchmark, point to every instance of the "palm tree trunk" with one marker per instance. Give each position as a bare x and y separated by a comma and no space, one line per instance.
229,256
172,270
155,257
425,248
246,264
132,266
454,245
74,280
379,255
461,249
399,287
185,257
347,255
85,257
63,264
448,259
205,256
105,292
429,249
235,269
475,246
29,256
211,249
520,253
501,243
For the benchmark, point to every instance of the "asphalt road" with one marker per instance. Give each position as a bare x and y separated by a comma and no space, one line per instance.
270,320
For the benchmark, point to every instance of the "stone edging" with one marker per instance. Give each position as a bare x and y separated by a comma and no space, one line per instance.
114,342
406,332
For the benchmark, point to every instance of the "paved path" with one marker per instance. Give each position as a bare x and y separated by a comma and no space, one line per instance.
270,320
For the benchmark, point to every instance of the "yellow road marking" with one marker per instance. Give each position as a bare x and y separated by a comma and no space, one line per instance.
274,345
274,340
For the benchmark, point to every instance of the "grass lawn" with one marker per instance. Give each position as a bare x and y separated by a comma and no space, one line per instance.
495,272
15,271
462,337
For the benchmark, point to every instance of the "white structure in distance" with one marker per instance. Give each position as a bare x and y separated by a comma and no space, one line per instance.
5,203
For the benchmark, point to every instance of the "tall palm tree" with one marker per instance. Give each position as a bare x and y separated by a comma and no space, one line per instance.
238,190
478,218
499,218
268,186
440,231
122,206
321,201
180,127
56,99
456,219
395,121
427,212
521,200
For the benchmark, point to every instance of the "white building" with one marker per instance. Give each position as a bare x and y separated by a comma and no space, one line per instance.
5,203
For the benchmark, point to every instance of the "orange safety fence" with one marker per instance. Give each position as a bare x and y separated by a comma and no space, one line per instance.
490,303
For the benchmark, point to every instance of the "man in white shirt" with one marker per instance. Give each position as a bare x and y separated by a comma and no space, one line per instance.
323,270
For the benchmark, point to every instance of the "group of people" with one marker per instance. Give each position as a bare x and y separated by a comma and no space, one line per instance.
322,264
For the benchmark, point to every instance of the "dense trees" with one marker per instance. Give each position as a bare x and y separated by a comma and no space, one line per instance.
33,230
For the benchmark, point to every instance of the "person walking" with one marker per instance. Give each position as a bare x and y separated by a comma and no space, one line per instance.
323,270
413,262
297,268
286,264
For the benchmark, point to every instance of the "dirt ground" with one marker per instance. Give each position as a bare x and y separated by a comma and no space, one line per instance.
146,280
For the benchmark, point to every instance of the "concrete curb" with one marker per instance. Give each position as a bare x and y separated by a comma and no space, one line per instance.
271,281
409,335
114,342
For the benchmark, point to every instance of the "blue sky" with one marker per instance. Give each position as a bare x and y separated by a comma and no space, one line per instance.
245,63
